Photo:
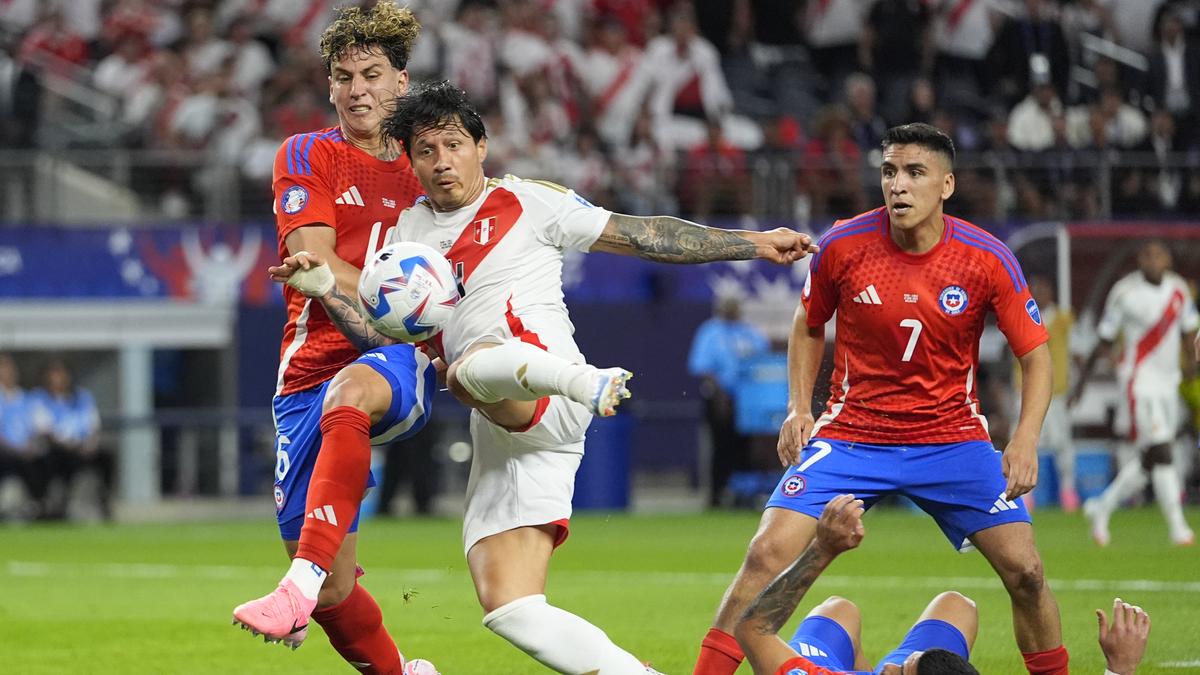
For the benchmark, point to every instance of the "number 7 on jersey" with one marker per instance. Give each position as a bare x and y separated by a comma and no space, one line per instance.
915,326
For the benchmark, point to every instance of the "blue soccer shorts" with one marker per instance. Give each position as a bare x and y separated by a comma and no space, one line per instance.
960,484
824,642
298,427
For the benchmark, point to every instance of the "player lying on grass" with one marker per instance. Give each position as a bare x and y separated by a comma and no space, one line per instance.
829,640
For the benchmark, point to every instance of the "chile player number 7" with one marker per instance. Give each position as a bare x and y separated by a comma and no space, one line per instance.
915,325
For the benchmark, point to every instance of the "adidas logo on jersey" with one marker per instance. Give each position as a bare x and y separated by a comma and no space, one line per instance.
1002,504
324,513
350,197
868,296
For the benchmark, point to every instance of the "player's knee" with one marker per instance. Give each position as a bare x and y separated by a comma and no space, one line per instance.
1025,580
348,390
765,557
841,610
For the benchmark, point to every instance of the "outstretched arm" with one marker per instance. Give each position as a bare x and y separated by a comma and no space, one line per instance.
308,273
839,529
1124,640
675,240
1019,462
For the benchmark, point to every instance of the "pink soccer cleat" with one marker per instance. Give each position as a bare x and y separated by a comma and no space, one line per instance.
280,616
1069,499
1099,521
1185,538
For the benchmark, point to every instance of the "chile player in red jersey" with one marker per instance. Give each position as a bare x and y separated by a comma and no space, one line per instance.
911,287
337,192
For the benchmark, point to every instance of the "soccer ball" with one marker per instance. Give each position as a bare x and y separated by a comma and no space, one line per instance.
420,667
408,291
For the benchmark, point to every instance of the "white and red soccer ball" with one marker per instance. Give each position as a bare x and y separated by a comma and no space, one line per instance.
408,291
420,667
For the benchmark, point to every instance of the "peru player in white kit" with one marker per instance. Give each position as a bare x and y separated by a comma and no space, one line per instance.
513,360
1151,310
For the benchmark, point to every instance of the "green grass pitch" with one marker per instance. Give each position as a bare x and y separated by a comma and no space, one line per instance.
157,598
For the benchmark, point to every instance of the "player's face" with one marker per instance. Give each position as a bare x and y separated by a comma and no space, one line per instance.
449,165
1154,260
915,182
362,85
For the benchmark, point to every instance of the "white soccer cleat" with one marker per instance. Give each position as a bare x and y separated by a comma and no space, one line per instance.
1185,538
1099,521
608,390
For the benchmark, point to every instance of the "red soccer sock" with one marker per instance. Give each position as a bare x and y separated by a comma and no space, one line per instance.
719,654
338,481
1053,662
355,629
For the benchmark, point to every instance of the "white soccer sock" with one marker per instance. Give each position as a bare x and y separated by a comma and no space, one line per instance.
308,577
519,371
560,640
1130,479
1167,490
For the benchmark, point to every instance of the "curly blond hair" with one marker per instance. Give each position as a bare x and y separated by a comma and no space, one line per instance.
386,27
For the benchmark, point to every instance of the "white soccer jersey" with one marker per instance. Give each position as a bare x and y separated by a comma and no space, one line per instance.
507,248
1151,318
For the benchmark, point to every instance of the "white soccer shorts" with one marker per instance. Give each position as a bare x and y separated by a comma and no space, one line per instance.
1148,420
526,478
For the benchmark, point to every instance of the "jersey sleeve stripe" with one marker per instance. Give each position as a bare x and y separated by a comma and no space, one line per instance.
985,237
291,153
305,165
1013,273
837,233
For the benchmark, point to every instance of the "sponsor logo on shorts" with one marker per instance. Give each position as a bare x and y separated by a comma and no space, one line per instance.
278,498
294,200
1034,313
794,486
953,300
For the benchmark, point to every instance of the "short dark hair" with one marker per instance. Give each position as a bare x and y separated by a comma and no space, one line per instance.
943,662
385,27
925,135
433,105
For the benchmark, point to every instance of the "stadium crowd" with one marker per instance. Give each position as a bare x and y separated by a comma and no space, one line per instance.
638,102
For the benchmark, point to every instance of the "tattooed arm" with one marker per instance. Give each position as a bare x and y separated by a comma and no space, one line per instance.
839,529
345,313
308,273
674,240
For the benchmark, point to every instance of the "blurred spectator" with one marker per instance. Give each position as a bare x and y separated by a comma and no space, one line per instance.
52,46
634,15
202,51
716,180
895,47
1025,45
1157,182
1135,19
120,73
721,345
1031,125
469,57
962,31
252,61
1090,17
922,102
614,82
19,452
832,29
586,168
645,171
67,420
1108,122
832,163
867,127
686,87
1174,67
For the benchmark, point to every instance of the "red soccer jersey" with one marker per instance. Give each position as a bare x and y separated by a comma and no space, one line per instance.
320,178
906,353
